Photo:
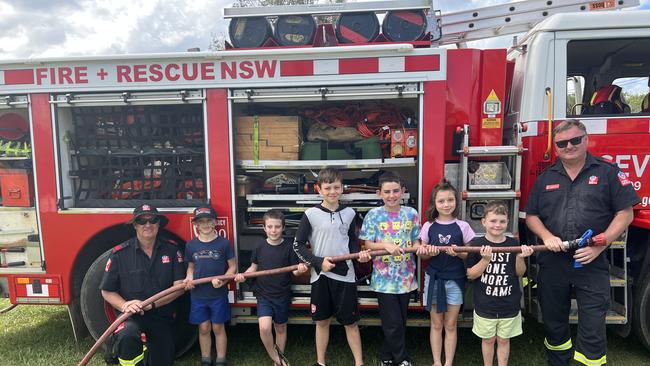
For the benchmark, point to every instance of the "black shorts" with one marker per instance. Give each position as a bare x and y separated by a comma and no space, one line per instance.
334,298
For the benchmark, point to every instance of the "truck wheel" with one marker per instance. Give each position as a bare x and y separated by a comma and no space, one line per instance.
642,311
98,314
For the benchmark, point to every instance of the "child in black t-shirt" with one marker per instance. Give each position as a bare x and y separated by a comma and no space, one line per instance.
497,292
273,292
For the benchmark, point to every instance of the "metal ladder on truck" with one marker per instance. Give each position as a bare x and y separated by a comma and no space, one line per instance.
515,17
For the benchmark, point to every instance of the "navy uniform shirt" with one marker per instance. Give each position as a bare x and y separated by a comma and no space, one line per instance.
568,208
132,274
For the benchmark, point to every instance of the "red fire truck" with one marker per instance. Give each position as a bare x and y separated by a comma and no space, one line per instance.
86,139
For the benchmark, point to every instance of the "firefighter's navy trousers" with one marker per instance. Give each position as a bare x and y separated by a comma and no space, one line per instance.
591,285
159,341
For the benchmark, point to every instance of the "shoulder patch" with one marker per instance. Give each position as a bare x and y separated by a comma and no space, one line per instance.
623,179
119,247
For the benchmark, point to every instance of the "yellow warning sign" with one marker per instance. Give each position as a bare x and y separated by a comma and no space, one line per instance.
492,97
491,123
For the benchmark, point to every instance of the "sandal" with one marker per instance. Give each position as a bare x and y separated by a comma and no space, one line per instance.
283,359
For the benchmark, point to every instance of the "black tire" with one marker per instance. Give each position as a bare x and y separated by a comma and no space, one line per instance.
642,311
94,314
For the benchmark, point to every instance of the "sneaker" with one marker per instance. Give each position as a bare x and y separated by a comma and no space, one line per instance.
386,363
405,363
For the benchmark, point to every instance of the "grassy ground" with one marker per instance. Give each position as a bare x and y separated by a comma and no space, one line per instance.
41,335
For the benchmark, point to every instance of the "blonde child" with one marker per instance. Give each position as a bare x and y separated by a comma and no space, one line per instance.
273,292
209,255
444,282
329,228
392,227
496,291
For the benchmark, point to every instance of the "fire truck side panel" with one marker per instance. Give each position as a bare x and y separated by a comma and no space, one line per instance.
433,141
491,98
463,77
219,162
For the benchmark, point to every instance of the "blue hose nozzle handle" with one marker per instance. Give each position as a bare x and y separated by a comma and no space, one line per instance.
581,244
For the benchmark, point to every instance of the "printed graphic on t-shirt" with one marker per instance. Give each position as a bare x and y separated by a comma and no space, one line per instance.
392,274
207,254
495,278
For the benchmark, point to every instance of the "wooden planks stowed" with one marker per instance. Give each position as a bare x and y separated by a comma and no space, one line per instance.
278,137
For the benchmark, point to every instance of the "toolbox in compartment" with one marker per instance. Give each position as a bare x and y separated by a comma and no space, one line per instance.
269,137
369,148
17,187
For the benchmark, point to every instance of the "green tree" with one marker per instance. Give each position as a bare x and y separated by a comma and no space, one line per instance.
634,101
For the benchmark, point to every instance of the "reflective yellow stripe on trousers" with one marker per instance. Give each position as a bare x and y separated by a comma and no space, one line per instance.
562,347
134,361
585,361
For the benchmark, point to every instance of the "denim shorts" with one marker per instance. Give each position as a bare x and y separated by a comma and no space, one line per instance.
277,309
454,294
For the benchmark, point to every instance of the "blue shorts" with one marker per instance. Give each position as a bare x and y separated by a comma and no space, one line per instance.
277,309
215,310
454,295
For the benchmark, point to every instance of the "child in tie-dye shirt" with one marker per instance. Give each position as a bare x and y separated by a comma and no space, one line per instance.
392,227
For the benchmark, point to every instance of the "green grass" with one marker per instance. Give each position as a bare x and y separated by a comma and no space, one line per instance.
42,335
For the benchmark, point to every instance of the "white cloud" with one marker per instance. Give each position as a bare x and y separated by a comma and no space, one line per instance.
47,28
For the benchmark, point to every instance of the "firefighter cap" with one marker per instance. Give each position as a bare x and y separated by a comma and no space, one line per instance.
204,211
147,209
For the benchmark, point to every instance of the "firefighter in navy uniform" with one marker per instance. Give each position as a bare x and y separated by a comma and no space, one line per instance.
136,270
577,193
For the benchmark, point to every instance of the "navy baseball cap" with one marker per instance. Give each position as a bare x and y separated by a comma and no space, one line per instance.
147,209
204,211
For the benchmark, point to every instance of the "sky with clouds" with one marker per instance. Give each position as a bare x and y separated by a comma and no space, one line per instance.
47,28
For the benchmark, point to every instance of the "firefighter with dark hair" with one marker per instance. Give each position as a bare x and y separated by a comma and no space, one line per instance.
577,193
136,270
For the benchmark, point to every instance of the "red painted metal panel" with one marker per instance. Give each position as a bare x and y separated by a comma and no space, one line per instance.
359,65
15,77
493,77
432,158
219,141
297,68
422,63
628,125
463,106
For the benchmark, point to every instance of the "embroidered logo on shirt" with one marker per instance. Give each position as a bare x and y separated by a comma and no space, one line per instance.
444,239
623,179
165,259
550,187
313,308
108,265
179,256
593,179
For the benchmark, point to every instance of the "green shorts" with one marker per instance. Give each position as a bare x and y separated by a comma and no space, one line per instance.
503,328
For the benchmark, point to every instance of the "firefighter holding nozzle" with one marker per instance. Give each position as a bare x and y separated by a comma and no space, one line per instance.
136,270
577,193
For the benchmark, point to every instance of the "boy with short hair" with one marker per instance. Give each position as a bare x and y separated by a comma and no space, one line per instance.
273,292
209,255
330,230
392,227
497,293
